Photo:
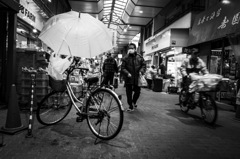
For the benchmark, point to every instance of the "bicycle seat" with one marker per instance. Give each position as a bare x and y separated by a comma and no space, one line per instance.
91,80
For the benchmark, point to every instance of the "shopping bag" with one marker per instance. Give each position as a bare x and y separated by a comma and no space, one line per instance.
142,82
57,65
115,82
60,64
53,73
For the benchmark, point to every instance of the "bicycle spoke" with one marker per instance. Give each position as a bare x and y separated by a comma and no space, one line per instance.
209,110
113,109
53,108
107,122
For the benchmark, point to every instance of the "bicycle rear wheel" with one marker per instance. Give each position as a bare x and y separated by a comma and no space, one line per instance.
209,109
53,108
105,114
182,98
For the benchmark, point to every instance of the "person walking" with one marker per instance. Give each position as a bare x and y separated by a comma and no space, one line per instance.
150,73
132,66
109,68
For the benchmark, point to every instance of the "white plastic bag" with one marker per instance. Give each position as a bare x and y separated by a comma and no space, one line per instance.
142,82
53,73
206,82
58,65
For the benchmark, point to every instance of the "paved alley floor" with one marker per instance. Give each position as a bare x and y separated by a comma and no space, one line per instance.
157,129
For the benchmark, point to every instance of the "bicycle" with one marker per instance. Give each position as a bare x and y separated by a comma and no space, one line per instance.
207,105
99,105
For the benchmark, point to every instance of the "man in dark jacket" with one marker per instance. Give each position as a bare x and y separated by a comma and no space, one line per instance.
109,68
133,65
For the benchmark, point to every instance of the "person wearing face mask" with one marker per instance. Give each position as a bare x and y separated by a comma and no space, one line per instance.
193,64
132,66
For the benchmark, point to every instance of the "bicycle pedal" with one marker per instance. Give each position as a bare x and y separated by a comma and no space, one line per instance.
79,119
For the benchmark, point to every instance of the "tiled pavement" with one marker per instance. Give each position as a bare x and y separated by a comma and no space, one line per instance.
156,130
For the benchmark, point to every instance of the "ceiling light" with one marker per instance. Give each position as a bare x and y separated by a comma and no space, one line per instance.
225,1
125,30
49,0
140,11
34,30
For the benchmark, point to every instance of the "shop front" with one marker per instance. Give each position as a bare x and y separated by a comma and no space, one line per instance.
166,53
215,33
174,35
30,51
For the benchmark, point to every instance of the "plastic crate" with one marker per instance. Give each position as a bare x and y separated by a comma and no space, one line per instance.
42,76
26,91
39,76
26,83
41,83
41,91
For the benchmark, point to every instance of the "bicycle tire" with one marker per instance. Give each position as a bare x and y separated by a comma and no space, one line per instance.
104,121
53,108
207,105
182,97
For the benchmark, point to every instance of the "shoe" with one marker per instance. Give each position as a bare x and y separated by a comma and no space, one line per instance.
134,105
130,110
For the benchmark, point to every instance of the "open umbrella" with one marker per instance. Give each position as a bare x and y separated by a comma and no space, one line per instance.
85,35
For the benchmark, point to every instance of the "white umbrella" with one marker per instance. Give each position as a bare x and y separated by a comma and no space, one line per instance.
85,35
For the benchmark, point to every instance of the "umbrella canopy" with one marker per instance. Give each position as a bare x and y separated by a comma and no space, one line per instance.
85,35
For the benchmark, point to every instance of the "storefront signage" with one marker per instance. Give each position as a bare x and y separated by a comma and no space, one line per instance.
219,53
186,50
26,13
29,12
216,22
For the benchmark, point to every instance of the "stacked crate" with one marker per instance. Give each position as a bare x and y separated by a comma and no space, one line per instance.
41,87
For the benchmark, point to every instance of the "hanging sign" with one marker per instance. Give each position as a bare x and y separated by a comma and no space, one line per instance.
217,22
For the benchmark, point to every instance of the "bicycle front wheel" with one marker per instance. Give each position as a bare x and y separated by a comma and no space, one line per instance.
53,108
105,115
209,109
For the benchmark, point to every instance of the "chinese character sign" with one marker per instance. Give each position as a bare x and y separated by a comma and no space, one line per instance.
216,22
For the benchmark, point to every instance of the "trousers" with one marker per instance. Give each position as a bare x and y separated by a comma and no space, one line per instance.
108,78
132,97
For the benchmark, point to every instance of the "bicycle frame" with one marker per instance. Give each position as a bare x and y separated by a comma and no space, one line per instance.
88,93
74,98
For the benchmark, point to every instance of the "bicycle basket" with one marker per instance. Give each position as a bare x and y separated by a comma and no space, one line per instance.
57,85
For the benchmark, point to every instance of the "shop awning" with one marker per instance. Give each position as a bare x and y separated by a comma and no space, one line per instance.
217,22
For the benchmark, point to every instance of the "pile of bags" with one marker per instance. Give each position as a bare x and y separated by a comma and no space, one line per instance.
206,82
